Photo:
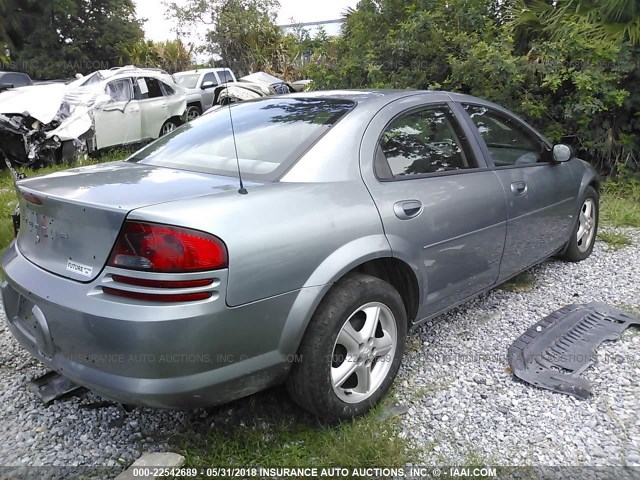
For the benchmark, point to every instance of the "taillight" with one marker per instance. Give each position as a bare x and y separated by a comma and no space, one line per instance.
167,249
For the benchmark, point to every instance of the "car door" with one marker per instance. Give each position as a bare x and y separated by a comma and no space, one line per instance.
208,93
118,122
153,107
442,210
540,193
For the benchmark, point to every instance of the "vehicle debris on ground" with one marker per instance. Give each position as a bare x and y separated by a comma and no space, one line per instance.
554,352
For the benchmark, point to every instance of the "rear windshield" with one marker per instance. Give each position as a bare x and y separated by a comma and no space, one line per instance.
270,135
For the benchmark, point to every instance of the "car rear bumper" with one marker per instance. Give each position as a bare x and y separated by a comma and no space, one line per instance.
167,356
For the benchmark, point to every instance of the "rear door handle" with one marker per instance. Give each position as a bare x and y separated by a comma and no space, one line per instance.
519,188
408,209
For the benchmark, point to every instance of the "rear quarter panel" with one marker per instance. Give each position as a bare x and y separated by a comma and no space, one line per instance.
284,236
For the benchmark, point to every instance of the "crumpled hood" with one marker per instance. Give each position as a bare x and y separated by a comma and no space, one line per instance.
42,102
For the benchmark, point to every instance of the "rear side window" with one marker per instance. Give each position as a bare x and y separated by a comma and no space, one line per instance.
153,85
225,76
423,142
167,90
270,134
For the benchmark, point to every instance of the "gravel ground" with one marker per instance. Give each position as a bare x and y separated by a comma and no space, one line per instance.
462,404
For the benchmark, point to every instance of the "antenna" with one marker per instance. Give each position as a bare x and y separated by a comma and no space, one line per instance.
242,191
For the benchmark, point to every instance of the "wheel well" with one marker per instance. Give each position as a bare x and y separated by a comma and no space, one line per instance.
596,185
195,104
177,120
400,276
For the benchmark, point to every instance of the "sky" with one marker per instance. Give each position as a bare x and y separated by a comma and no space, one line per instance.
158,28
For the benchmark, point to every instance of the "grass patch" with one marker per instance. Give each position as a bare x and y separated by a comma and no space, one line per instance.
615,240
267,430
8,200
620,205
521,283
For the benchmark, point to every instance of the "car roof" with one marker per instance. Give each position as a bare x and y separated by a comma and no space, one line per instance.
381,97
361,95
202,70
2,74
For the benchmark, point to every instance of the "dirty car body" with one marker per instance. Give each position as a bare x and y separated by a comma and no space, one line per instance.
154,281
48,123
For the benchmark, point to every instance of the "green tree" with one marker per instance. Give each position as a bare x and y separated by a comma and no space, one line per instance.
242,32
612,21
62,37
170,55
575,86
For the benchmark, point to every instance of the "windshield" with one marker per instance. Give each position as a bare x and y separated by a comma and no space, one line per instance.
271,134
187,80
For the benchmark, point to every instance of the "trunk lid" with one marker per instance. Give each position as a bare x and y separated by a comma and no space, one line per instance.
69,221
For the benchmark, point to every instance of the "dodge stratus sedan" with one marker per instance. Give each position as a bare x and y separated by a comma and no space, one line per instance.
292,239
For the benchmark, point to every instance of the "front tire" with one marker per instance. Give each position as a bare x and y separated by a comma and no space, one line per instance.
168,127
352,349
584,234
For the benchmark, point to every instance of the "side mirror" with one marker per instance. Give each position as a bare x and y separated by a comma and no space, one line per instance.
562,153
207,85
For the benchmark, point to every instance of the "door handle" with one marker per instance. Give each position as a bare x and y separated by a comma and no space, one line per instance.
408,209
519,188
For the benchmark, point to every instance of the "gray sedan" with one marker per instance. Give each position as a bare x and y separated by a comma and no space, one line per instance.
292,239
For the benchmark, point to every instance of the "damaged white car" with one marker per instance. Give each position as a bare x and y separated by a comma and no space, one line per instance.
250,87
46,124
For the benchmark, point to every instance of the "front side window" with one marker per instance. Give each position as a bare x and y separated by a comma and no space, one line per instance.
15,80
120,90
210,77
423,142
270,135
508,142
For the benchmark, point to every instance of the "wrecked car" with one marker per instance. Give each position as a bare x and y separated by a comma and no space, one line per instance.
250,87
200,87
54,123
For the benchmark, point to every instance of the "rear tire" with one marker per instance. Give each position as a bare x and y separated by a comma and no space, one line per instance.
584,233
193,112
352,349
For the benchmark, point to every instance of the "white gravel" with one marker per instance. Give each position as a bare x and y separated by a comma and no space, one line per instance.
463,406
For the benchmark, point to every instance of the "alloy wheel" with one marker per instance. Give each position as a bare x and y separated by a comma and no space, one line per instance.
192,113
168,128
363,352
586,225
